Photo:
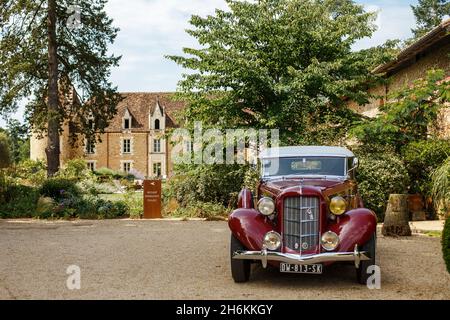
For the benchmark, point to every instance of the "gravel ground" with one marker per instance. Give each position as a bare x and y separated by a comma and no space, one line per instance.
126,259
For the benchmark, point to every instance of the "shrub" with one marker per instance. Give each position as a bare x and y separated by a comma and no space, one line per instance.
110,209
105,173
207,183
208,210
59,188
75,169
421,159
108,174
440,190
135,204
380,173
90,186
446,243
45,207
18,201
32,171
81,207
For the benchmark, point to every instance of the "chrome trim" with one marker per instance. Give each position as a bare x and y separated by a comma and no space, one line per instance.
357,255
264,256
301,223
296,176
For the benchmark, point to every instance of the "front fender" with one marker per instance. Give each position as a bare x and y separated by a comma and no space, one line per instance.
355,227
245,199
249,227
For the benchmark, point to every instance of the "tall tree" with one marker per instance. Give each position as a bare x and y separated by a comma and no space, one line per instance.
284,64
47,49
429,14
18,139
5,155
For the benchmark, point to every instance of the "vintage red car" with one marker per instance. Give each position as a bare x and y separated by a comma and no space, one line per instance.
308,214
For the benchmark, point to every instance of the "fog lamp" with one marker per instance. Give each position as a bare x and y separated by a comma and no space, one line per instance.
330,240
272,240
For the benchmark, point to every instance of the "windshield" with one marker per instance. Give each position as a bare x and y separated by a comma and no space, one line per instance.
303,166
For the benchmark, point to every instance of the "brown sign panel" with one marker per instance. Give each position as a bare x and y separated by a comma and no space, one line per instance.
152,199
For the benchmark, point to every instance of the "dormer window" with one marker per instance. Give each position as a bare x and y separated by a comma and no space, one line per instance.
126,120
126,123
157,117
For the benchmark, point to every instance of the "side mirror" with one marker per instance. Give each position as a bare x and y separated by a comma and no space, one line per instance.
351,171
355,163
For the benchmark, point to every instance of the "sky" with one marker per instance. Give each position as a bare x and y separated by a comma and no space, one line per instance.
150,29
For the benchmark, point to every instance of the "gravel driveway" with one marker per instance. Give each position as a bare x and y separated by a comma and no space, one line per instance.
126,259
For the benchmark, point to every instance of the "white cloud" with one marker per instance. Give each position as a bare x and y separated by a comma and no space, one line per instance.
394,21
151,29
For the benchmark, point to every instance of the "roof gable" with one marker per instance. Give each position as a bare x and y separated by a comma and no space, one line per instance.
142,104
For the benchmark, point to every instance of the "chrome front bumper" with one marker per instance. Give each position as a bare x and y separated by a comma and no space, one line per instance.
356,256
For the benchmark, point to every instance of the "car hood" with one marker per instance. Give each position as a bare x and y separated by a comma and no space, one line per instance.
321,185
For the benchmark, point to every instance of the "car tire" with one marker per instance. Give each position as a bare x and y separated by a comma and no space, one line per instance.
240,269
370,248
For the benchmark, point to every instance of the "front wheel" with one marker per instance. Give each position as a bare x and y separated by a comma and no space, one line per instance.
370,248
240,269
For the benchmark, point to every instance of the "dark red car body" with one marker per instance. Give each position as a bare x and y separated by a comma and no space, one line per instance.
355,227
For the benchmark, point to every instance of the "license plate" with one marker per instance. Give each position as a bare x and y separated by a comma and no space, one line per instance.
301,268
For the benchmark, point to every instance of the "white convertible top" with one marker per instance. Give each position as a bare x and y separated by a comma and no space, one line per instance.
324,151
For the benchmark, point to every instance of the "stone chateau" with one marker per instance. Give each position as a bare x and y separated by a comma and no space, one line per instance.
134,140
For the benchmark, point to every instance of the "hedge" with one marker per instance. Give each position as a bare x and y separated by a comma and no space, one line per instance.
446,244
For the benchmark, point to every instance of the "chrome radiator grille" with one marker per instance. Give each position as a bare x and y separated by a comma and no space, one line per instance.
301,223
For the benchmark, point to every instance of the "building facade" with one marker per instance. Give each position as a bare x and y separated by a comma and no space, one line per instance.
429,52
134,141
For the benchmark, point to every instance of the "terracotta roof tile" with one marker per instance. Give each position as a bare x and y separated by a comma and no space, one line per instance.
140,105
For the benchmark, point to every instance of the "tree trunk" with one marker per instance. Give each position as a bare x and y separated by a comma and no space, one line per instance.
396,220
52,151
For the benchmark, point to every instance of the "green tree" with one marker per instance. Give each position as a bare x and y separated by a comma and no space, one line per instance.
19,140
5,156
285,64
408,115
48,47
429,14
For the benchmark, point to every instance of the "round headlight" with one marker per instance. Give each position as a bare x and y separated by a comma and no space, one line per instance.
338,205
330,240
266,206
272,240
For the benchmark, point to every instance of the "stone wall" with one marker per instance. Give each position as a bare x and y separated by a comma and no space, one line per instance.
435,59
